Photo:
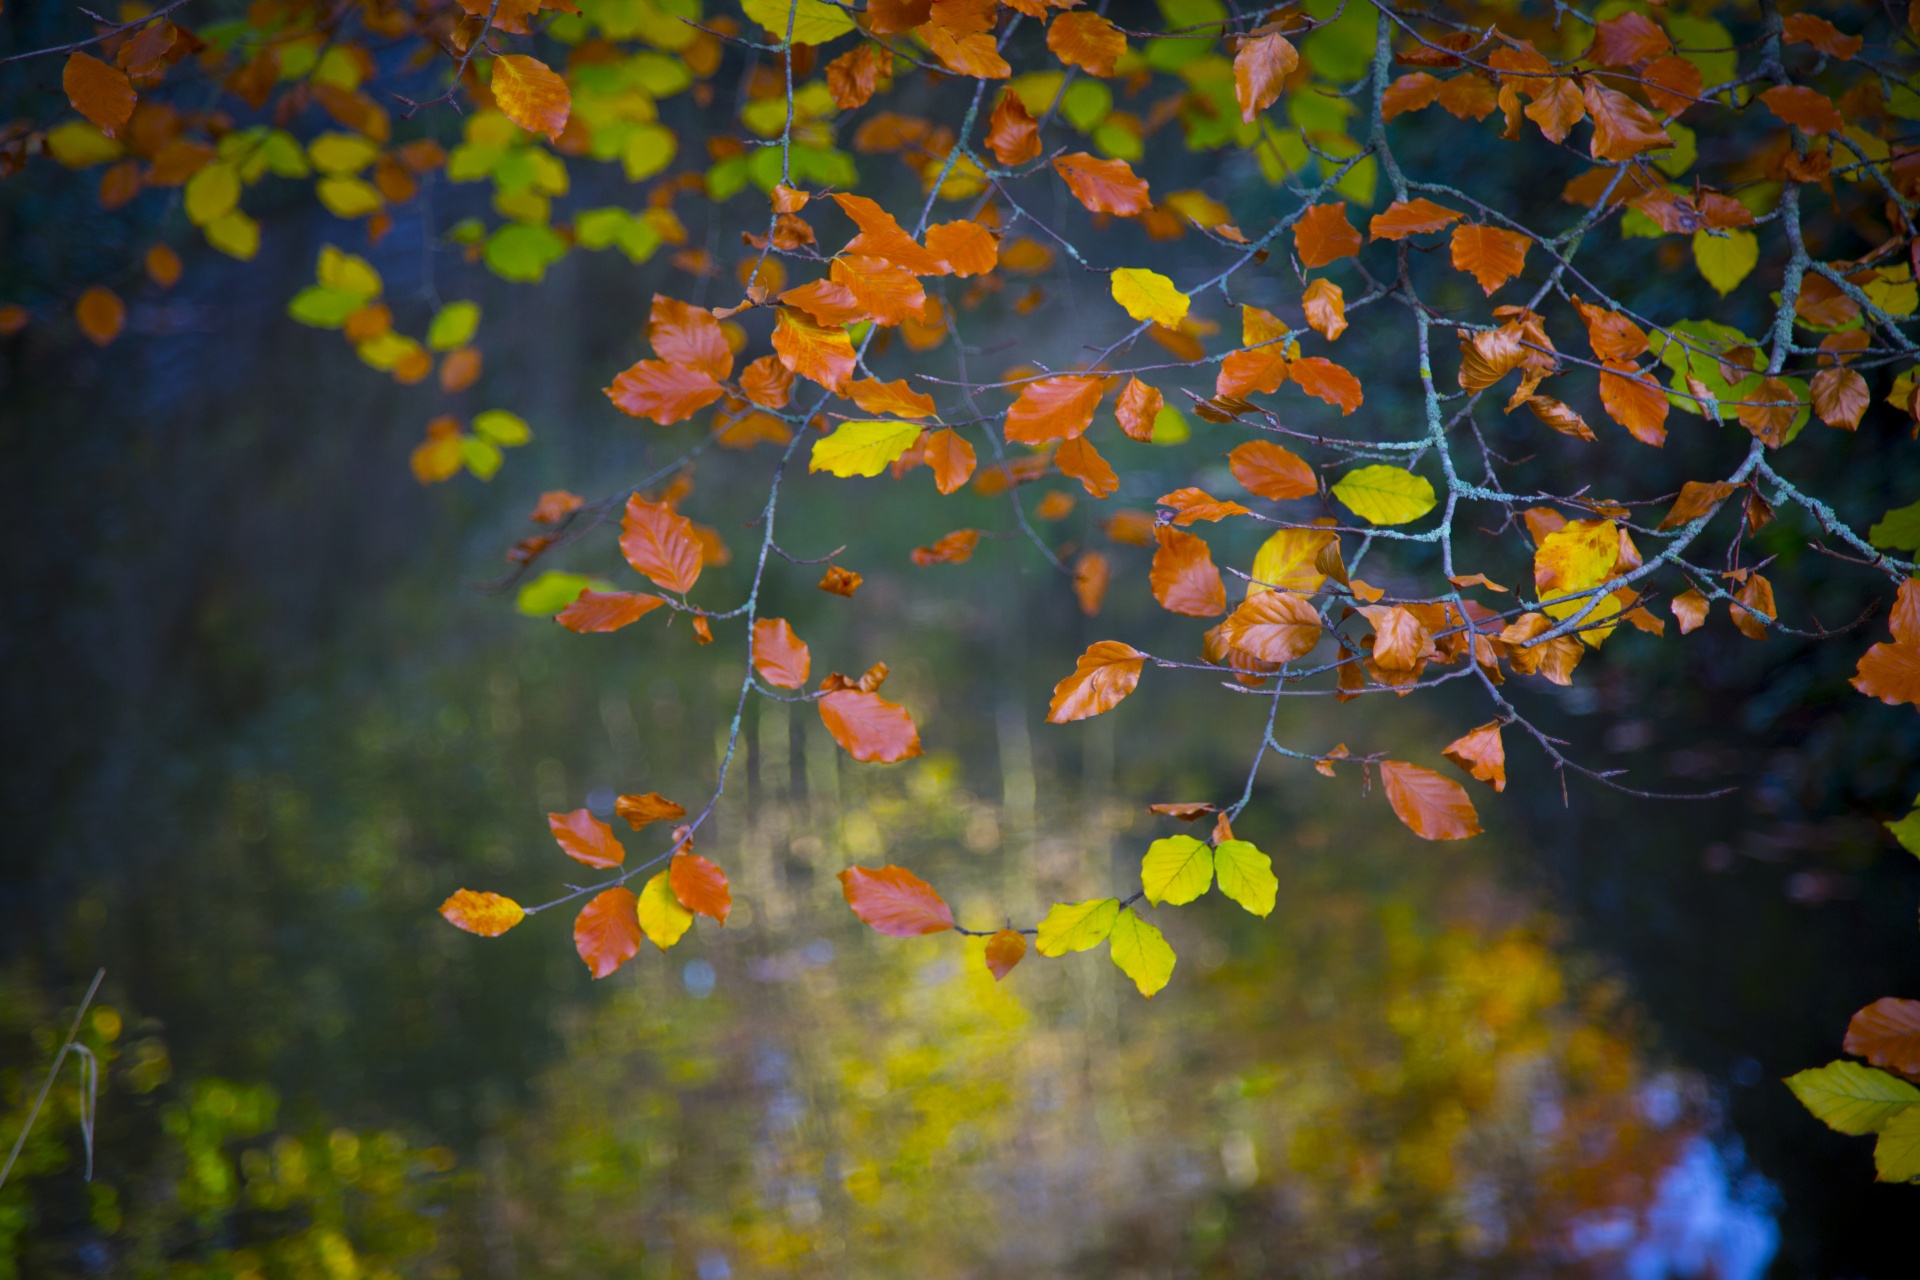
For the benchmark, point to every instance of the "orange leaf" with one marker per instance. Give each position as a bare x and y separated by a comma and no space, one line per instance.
1805,28
1138,406
595,611
1324,235
1268,471
1469,96
1326,308
1753,607
1627,39
1086,40
660,543
841,582
1325,380
1260,71
869,727
1887,1033
1184,810
1053,409
1696,499
967,248
973,55
954,548
1891,673
163,266
1091,574
667,393
1557,108
951,458
1811,111
1622,129
1105,674
895,17
1198,504
487,914
1103,186
100,92
1635,401
895,901
827,301
1673,84
1410,92
1768,411
1405,218
1904,620
701,886
639,810
768,383
689,336
1401,641
1432,807
530,94
1612,335
895,398
1263,369
606,933
780,656
585,838
1482,754
853,78
1690,607
1560,417
816,352
1005,950
1492,256
1274,626
101,315
1012,133
882,237
1183,577
884,290
1078,458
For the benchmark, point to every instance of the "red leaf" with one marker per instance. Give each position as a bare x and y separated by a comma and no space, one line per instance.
869,727
895,901
606,933
1184,578
585,838
667,393
780,656
606,610
1005,950
700,885
1433,807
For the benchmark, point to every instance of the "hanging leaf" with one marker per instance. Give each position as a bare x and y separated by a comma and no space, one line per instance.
1183,577
639,810
1092,573
1324,235
666,393
606,933
585,838
895,901
1078,458
531,95
869,727
597,611
1490,255
1324,380
487,914
1482,754
1887,1034
690,336
1176,870
1432,807
100,92
1077,926
863,448
700,886
659,542
1005,949
816,352
951,458
663,919
1053,409
1086,40
1268,471
1138,406
1105,674
1326,308
1141,952
1726,258
1273,626
1148,295
967,248
1385,495
1245,875
1260,70
1103,186
1289,561
1808,110
780,656
1405,218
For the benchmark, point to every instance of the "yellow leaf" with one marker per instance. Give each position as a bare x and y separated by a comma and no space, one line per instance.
814,22
79,144
1148,295
1142,953
1578,555
1176,870
1385,495
863,448
1853,1097
1246,875
1893,291
211,193
1896,1155
1286,560
347,197
1725,258
341,153
234,234
530,94
662,918
1075,926
348,273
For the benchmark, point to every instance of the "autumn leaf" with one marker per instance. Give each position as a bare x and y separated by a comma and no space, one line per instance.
1809,110
1324,380
1274,626
1245,874
1891,673
1324,235
895,901
1851,1098
1086,40
1148,295
100,92
1138,406
1264,369
1141,952
882,290
1635,401
1489,254
659,542
1578,555
1622,129
1192,505
951,458
1405,218
1176,870
853,78
1840,397
1627,38
1183,577
1807,28
1690,609
1288,561
1268,471
952,548
780,656
1260,70
101,315
871,729
1481,753
1103,186
487,914
1696,499
1385,495
862,448
1053,409
1105,674
700,886
595,611
606,933
667,393
1011,133
816,352
1326,309
1076,926
663,918
1887,1034
895,398
531,95
1410,92
1005,949
974,54
585,838
966,247
840,582
639,810
1092,572
1400,640
1432,807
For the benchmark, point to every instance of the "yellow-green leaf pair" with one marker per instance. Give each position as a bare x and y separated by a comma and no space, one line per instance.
1858,1099
1179,869
1139,949
1148,295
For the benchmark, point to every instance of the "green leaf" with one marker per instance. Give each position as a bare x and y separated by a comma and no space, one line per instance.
508,430
649,149
482,457
319,307
1385,495
1896,1156
863,448
1170,427
348,272
523,252
1176,870
211,192
551,592
1852,1098
1725,258
1898,530
1246,875
234,234
341,153
453,325
1141,951
1907,830
1075,926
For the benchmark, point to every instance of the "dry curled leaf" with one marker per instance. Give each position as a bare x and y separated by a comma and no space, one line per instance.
1105,674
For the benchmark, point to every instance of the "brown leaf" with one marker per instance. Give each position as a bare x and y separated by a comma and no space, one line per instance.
1891,673
660,543
1405,218
1086,40
1012,133
780,656
841,582
1635,401
1005,950
1481,753
100,92
1260,71
1622,129
1490,355
1887,1033
1469,96
1690,608
1753,607
869,727
1103,186
1091,574
606,933
1626,39
1696,498
1268,471
895,901
556,505
1672,84
1104,675
1138,406
639,810
595,611
1184,578
1768,411
855,77
487,914
1053,409
1273,626
585,838
954,548
1557,108
1489,254
1904,620
1192,504
701,886
973,55
687,335
1840,397
1078,458
1432,807
1324,235
1184,810
530,94
1806,28
1809,110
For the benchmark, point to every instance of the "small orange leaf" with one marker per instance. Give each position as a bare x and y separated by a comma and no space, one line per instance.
163,266
841,582
688,335
585,838
1086,40
1105,674
1489,254
701,886
594,611
1753,607
1695,500
101,315
1104,186
530,94
1432,807
1811,111
1268,471
1325,380
1183,577
487,914
1405,218
1091,574
100,92
1012,133
1260,71
953,548
606,933
967,248
817,352
660,543
639,810
1482,754
869,727
1197,504
780,656
1078,458
951,458
1053,409
667,393
895,901
1005,949
1326,308
1635,401
1324,235
1138,406
1690,607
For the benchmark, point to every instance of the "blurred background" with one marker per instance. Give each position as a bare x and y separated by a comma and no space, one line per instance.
259,719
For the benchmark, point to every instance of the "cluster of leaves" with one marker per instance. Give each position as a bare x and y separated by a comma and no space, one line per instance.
1790,128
